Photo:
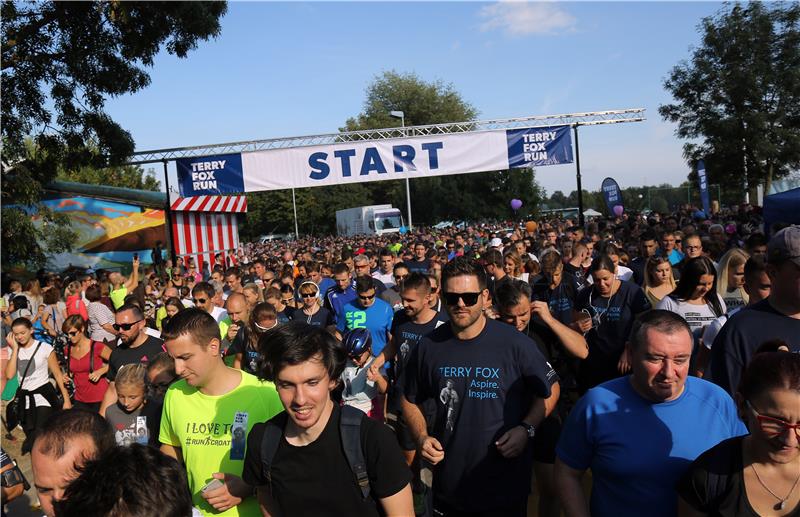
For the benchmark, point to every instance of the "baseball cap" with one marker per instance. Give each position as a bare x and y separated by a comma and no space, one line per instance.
785,245
495,243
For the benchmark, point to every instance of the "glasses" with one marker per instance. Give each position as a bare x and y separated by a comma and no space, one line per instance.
366,298
400,277
199,300
469,299
73,333
678,241
286,300
125,326
773,426
694,247
309,295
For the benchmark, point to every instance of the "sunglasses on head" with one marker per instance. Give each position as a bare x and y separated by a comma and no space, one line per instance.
469,299
125,326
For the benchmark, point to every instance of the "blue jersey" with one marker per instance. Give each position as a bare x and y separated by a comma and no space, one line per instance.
335,300
377,318
638,449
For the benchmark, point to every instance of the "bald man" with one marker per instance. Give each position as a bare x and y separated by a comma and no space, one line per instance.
235,337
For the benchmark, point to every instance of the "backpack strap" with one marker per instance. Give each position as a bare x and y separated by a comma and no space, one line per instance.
350,428
273,432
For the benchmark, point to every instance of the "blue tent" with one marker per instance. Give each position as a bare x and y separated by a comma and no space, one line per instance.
783,207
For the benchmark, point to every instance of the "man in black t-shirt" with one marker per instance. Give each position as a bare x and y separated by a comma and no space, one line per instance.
777,317
489,383
309,472
420,263
135,346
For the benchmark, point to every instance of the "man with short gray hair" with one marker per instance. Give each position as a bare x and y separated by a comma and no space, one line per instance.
639,433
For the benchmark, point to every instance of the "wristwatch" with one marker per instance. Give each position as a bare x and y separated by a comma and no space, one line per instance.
531,430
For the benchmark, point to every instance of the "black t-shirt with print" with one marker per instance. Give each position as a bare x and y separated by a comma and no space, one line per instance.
322,318
317,480
612,318
482,387
123,355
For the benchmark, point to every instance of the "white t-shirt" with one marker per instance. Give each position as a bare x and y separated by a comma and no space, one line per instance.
38,373
697,316
713,328
386,278
219,313
358,390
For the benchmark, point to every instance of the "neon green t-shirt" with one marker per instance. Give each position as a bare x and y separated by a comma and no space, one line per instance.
118,296
203,427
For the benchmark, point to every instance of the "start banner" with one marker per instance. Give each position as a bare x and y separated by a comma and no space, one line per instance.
358,162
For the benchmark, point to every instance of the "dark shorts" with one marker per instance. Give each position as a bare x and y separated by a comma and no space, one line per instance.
546,439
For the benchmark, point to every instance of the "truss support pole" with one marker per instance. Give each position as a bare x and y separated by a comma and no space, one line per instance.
578,176
168,219
294,207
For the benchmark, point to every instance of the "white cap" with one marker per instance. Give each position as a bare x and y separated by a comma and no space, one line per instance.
495,243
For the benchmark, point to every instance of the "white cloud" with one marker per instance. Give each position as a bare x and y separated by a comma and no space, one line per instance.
523,18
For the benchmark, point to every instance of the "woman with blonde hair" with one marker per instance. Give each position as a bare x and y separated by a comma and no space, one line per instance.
730,278
253,294
512,265
658,279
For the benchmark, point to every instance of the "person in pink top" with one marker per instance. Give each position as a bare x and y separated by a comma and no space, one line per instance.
87,365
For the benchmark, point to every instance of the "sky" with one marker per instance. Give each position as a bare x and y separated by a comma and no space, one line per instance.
288,69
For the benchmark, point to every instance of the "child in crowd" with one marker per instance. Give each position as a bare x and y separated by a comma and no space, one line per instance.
362,388
127,416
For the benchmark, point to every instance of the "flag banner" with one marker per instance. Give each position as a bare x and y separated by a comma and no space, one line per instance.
612,194
359,162
701,177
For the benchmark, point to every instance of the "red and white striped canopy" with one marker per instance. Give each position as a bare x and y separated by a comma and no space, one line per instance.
233,204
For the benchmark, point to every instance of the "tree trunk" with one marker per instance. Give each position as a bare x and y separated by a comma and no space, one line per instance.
769,179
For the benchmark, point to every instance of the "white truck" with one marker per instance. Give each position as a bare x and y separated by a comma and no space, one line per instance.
368,220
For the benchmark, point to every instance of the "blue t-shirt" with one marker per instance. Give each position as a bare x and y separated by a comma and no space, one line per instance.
377,318
336,299
638,449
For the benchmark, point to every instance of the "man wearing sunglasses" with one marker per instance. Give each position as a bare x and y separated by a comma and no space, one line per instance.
488,382
134,346
639,433
369,312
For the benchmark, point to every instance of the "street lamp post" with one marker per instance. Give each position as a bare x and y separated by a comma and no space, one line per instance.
402,116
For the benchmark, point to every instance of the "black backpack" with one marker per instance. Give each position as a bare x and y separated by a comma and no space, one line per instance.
350,431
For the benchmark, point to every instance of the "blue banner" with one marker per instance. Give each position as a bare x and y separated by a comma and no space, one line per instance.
701,177
613,196
210,175
539,146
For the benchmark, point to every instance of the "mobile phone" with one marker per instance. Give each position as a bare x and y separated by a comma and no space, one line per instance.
135,256
211,485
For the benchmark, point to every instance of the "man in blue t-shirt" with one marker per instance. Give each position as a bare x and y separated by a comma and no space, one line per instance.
639,433
369,312
340,294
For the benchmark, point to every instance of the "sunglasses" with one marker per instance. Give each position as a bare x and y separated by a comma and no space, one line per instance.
73,333
309,295
287,300
400,277
199,300
125,326
363,297
773,426
469,299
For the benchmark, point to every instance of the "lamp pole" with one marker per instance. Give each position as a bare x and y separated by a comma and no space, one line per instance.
402,116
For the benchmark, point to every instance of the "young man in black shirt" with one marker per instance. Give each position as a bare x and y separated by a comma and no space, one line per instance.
488,382
309,472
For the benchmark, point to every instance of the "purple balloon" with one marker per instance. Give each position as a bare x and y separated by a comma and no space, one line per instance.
618,210
516,204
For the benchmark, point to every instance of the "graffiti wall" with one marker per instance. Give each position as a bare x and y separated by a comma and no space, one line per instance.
109,233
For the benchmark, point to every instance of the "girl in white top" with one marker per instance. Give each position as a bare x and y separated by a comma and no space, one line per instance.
731,278
512,265
38,395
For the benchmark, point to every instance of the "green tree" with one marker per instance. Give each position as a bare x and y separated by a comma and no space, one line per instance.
125,176
738,97
60,62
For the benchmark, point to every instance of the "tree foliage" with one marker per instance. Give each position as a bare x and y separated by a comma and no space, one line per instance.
737,100
60,62
433,199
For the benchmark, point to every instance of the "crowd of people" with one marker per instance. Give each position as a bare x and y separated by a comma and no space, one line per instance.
441,372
